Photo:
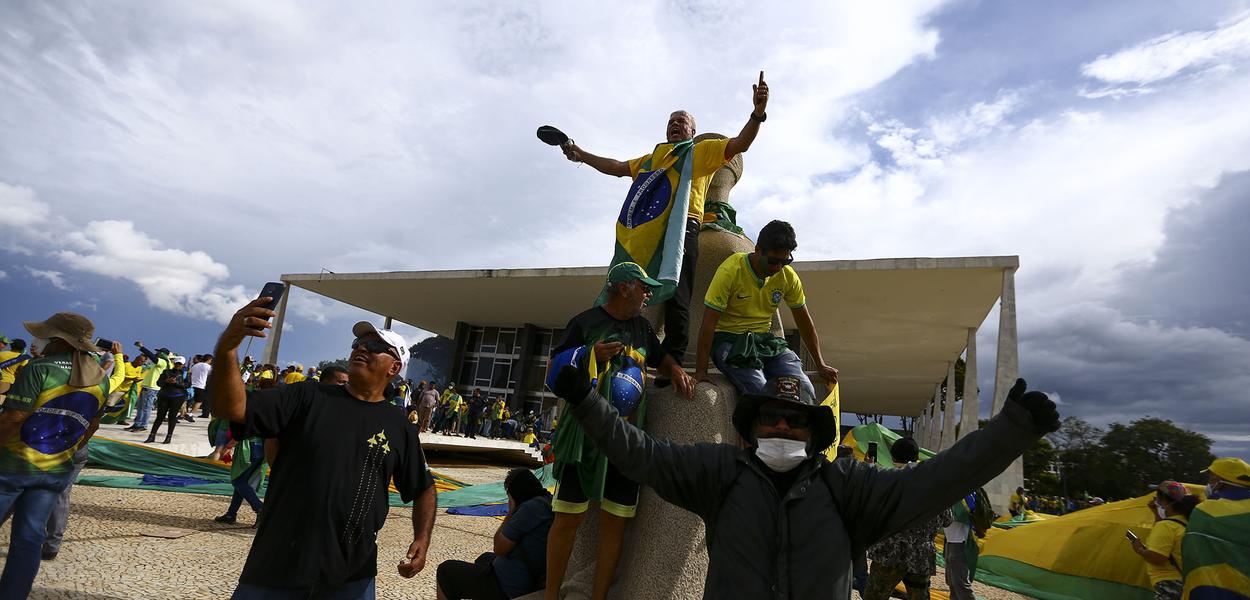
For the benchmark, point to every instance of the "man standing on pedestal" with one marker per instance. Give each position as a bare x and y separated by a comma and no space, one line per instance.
658,227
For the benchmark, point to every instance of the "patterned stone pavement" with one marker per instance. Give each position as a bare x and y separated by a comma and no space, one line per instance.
104,555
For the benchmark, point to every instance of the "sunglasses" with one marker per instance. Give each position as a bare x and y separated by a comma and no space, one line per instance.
375,347
779,261
770,416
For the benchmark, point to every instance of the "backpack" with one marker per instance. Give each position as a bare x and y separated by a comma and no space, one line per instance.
982,513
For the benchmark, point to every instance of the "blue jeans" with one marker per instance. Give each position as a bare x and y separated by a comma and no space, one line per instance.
361,589
59,519
751,381
245,489
31,497
147,399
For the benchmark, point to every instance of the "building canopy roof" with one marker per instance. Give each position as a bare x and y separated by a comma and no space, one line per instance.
891,326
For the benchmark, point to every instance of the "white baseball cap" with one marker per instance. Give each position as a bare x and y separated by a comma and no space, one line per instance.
393,339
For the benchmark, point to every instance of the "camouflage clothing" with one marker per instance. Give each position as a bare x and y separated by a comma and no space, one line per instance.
912,550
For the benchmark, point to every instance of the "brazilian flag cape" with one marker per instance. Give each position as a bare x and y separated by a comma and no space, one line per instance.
1216,551
116,413
651,229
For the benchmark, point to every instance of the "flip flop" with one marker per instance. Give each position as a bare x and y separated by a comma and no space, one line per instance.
552,136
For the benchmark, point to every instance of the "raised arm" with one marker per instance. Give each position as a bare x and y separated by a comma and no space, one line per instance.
877,502
229,398
689,476
607,166
119,367
807,331
148,353
742,142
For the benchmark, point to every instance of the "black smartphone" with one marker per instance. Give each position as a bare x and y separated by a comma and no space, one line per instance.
105,345
872,452
1131,537
274,291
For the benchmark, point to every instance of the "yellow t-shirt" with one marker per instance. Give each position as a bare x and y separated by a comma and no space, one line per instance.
528,438
133,375
293,377
745,301
9,373
709,157
1165,538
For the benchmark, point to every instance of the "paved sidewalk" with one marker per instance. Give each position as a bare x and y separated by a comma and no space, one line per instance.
104,556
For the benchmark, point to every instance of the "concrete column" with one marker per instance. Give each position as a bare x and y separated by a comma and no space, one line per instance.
1006,369
948,417
971,407
935,419
274,335
388,323
918,429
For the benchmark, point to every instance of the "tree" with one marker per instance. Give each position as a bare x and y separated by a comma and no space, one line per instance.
1038,461
338,362
1150,450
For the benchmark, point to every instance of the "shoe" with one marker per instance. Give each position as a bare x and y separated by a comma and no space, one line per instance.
167,439
190,419
122,423
47,555
151,439
227,519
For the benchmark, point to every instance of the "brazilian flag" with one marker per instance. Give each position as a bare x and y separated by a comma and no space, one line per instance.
651,229
1216,551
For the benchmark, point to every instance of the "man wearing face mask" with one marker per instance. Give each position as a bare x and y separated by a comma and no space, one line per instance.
782,521
1216,545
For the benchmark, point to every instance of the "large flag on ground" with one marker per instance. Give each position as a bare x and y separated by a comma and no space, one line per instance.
651,229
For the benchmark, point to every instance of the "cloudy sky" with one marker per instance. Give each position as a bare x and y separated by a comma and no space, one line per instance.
160,161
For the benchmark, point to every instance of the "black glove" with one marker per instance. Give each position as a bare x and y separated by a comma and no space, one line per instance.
1045,415
572,384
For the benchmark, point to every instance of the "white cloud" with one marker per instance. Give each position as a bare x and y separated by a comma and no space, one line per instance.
3,275
1168,55
52,277
92,305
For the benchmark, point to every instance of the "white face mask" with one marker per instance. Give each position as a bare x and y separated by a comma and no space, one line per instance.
1162,512
1209,490
780,454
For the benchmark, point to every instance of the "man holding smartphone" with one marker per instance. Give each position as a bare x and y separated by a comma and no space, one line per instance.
317,532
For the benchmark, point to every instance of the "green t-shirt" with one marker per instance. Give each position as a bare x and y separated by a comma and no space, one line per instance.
60,415
153,373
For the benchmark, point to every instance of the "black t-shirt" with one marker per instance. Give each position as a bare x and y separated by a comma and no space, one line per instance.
328,494
596,325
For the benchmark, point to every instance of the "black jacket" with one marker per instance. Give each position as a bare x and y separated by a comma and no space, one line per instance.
761,545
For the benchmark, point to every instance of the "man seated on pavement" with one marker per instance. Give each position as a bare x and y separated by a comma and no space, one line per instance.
737,320
624,345
782,521
339,448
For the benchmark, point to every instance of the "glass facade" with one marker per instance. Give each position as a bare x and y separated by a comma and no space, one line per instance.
495,359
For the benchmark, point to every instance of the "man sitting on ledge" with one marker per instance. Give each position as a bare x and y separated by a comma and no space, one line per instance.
738,318
782,521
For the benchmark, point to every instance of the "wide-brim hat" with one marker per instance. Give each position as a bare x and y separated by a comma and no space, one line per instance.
788,391
74,328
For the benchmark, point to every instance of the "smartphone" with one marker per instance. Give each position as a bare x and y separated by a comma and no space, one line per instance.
273,290
105,345
872,452
1131,537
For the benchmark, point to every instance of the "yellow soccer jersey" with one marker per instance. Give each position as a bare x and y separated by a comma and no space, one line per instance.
709,157
745,301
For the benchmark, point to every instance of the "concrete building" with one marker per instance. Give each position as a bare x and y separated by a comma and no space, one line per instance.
894,327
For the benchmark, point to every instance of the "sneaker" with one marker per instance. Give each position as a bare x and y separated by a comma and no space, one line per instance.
190,419
47,555
227,519
122,423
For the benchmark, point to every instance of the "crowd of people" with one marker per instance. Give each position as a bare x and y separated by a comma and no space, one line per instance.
782,520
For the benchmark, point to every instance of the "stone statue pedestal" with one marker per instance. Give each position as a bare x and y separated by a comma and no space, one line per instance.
665,552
